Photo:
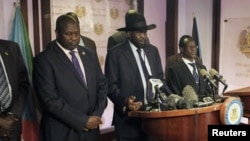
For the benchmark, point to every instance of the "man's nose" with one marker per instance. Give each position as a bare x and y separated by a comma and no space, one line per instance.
144,36
74,36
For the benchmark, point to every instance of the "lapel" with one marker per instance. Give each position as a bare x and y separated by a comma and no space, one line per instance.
68,64
129,56
150,56
86,43
189,74
6,56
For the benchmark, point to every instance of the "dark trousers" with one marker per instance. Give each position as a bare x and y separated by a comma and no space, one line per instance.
93,135
142,138
10,139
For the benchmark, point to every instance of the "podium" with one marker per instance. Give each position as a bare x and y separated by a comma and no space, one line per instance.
179,125
244,94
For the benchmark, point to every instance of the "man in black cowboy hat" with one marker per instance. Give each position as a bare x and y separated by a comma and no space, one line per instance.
119,36
128,67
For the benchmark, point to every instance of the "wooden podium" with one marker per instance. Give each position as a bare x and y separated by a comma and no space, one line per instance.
180,125
244,94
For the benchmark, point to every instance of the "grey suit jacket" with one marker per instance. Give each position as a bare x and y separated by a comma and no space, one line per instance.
67,102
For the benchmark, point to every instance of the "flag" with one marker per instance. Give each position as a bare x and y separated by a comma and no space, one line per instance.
195,36
19,34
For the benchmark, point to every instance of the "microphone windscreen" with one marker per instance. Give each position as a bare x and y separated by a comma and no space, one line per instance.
171,101
182,104
203,72
213,72
189,94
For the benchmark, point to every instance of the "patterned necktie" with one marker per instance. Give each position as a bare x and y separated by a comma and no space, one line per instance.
5,98
195,75
146,75
77,65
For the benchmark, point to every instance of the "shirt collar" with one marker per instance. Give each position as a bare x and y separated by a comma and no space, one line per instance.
66,51
133,47
186,61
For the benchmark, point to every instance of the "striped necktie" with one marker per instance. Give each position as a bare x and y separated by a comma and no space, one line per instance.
195,75
5,98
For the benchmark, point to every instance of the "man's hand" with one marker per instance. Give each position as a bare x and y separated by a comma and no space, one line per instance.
8,121
7,124
132,105
93,122
4,132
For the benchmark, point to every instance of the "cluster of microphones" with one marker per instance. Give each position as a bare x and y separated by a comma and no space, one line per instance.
212,78
189,98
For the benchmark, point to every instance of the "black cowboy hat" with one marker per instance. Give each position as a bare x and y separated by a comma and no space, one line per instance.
136,21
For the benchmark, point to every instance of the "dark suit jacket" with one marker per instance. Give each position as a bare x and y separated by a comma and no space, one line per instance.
18,78
124,80
89,43
179,76
176,58
67,103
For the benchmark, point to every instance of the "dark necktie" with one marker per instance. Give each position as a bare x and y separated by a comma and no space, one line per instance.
146,75
5,98
143,65
195,75
77,66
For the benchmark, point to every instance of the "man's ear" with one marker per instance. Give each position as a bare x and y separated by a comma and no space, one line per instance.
128,34
56,32
181,50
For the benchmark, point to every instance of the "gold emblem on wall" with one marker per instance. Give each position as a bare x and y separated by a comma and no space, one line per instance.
129,2
114,13
244,41
98,1
80,11
98,28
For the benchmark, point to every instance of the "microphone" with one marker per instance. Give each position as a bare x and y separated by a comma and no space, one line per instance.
207,78
190,96
175,101
218,77
156,84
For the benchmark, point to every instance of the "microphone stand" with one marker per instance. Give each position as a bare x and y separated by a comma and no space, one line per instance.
224,89
157,98
213,90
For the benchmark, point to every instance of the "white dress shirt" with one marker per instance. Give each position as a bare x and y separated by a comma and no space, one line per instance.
187,62
144,57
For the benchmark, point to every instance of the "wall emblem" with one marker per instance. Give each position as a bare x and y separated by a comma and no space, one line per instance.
114,13
98,1
129,2
80,11
98,28
244,41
